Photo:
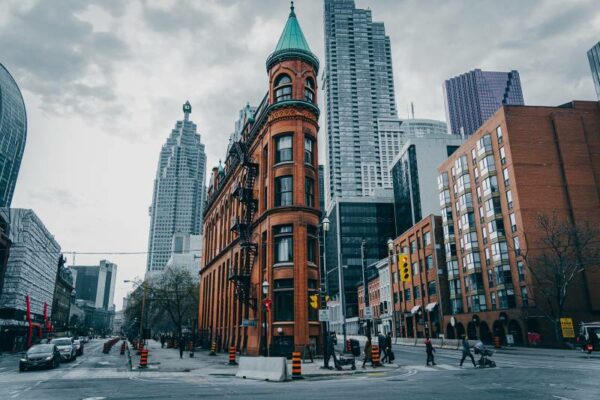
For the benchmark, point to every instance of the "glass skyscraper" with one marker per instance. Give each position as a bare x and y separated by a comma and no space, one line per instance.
359,89
13,133
179,194
473,97
594,57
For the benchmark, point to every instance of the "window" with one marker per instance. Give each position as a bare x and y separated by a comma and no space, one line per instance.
313,313
432,288
283,294
517,246
309,192
415,268
457,306
490,275
513,222
407,295
502,156
478,303
427,238
311,244
505,175
284,244
493,299
417,292
499,134
413,246
524,296
309,90
509,199
429,263
283,88
506,298
521,269
283,148
308,150
284,191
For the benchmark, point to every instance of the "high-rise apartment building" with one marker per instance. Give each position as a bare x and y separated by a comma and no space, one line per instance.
594,58
523,163
179,191
473,97
359,89
13,133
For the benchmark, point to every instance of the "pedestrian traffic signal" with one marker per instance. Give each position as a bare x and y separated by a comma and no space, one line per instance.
404,268
314,301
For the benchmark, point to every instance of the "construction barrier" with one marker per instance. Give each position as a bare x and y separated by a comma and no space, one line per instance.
232,356
213,349
348,346
108,345
272,369
140,348
296,365
144,359
497,342
375,356
123,346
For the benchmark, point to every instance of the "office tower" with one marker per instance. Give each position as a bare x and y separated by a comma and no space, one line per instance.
179,192
95,284
473,97
13,133
594,58
186,254
359,89
414,172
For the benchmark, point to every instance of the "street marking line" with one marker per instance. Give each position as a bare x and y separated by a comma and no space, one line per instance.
448,367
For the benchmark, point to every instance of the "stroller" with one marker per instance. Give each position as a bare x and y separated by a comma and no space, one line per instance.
342,361
484,353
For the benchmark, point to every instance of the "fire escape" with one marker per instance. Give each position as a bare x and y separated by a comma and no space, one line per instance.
240,275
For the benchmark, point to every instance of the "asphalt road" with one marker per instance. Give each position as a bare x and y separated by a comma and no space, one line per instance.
521,374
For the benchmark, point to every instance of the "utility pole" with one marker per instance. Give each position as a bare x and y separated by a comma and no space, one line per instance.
365,287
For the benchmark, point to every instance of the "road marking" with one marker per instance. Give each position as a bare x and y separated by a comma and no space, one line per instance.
561,398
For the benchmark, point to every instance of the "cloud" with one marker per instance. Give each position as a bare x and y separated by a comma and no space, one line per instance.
55,196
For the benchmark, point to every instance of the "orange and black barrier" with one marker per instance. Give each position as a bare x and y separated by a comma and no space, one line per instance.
232,356
296,365
497,342
348,346
375,356
213,349
144,359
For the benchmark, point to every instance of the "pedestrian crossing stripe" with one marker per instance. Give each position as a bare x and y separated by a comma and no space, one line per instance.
434,368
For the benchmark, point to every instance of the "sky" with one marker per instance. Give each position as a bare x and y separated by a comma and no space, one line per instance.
104,82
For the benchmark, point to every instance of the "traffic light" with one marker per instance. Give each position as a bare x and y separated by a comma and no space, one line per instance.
314,301
404,268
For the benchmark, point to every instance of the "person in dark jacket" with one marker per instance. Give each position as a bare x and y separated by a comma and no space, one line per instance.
466,352
181,346
429,350
368,352
162,341
331,341
387,349
381,344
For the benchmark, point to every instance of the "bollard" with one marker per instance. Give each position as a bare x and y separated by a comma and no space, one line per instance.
144,359
296,365
497,343
348,346
375,356
123,348
213,349
232,356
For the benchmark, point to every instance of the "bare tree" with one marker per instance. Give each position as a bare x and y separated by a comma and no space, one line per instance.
557,263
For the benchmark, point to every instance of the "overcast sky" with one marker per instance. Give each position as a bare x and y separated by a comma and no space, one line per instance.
104,82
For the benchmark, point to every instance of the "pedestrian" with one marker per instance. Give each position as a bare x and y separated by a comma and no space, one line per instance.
330,350
162,341
181,346
387,349
368,355
429,350
381,344
466,352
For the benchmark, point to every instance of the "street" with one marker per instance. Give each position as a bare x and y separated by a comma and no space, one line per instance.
521,374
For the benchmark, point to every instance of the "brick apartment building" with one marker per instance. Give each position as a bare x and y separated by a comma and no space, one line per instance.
523,162
262,215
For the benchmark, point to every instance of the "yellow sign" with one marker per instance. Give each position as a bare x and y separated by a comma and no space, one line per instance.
404,268
566,324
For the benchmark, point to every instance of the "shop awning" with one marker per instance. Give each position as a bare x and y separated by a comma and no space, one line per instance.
429,307
414,309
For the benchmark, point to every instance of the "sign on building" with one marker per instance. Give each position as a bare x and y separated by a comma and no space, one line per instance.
368,313
566,325
324,315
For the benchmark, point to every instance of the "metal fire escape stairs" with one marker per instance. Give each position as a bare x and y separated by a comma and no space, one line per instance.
240,275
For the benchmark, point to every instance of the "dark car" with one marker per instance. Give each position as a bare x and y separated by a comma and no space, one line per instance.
40,356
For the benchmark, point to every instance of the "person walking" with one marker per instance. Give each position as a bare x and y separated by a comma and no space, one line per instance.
162,341
381,344
387,350
368,354
330,350
466,352
181,346
429,350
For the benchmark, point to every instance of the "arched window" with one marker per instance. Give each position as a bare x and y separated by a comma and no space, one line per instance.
283,88
309,90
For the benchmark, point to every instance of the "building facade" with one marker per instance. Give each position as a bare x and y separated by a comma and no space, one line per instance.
380,298
414,176
13,134
4,245
359,89
186,253
95,284
26,301
594,59
179,191
473,97
421,302
63,292
260,260
522,163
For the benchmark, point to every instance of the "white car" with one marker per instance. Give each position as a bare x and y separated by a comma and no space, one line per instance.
67,348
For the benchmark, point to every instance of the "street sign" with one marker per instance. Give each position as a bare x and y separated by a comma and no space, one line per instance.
510,339
324,315
452,321
368,313
566,325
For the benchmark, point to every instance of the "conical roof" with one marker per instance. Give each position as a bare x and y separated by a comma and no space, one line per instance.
292,44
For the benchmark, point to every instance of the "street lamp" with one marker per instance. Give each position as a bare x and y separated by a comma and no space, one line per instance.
265,291
324,284
363,243
390,244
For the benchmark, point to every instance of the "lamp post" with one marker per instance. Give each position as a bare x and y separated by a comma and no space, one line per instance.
363,243
324,327
265,291
390,244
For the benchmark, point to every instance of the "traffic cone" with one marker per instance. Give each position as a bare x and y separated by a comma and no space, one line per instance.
144,359
296,365
213,349
375,356
232,356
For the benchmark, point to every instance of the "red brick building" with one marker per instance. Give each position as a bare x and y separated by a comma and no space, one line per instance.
523,162
262,215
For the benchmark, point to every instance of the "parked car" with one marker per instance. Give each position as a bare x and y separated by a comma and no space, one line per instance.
589,337
40,356
78,346
68,350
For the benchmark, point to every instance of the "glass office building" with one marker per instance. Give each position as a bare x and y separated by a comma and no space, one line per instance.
13,133
594,58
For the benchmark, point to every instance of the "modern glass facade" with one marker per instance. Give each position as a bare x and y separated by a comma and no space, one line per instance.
179,193
359,89
13,133
594,58
473,97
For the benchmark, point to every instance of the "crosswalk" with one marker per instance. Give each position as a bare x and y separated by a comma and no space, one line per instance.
437,367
